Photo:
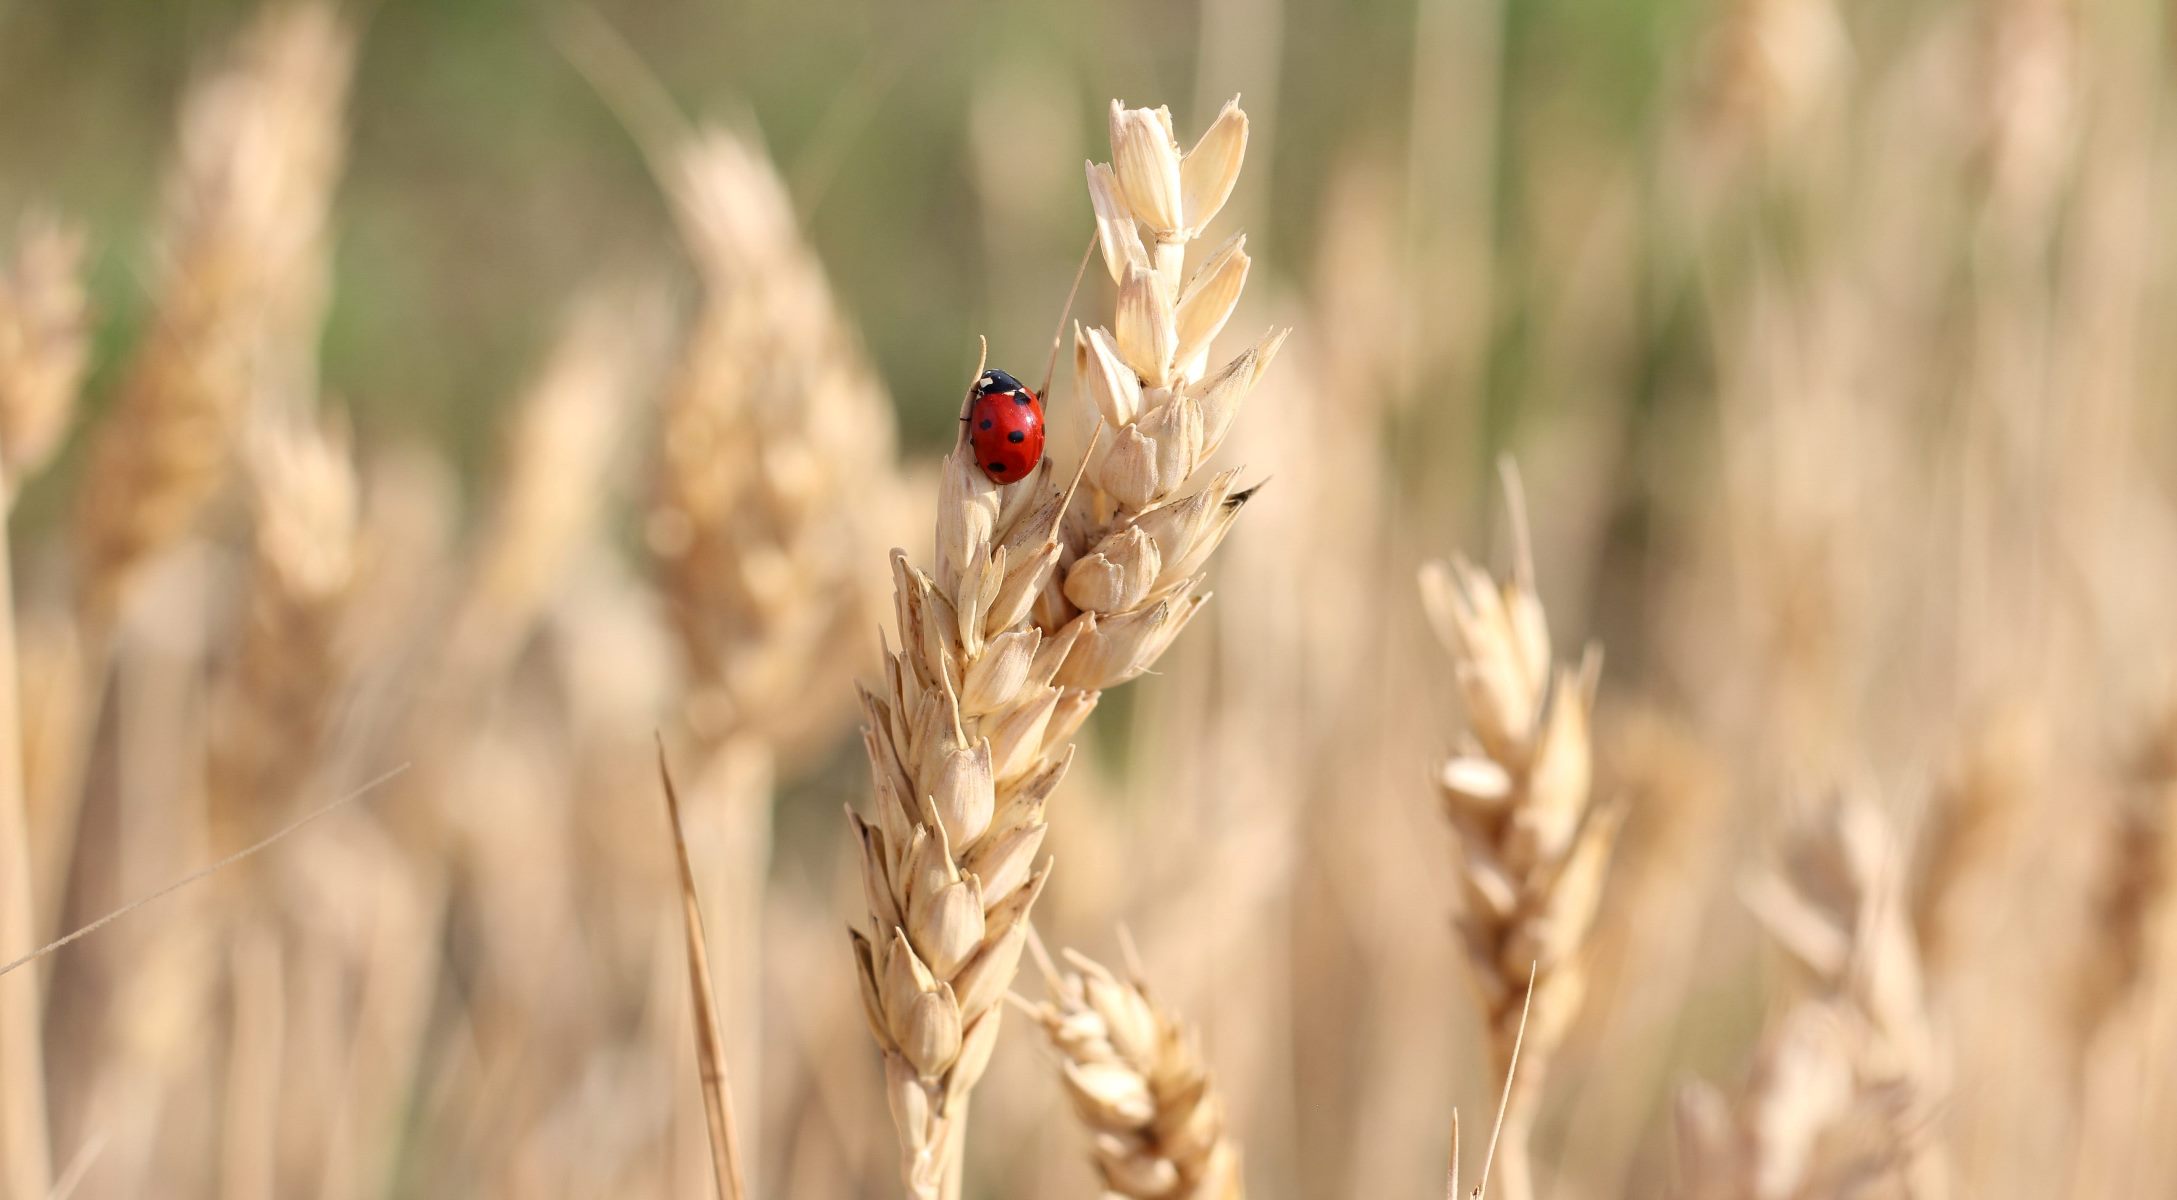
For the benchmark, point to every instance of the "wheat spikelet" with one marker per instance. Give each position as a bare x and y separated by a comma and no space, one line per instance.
1136,1077
1004,651
44,344
260,147
774,461
1844,1081
1533,847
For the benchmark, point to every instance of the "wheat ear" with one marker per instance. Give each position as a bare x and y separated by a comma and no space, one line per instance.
1138,1083
1036,605
242,248
1533,846
771,422
1845,1079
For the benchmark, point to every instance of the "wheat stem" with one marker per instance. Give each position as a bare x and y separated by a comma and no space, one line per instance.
24,1144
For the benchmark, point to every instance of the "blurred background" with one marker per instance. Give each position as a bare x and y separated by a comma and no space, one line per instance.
479,388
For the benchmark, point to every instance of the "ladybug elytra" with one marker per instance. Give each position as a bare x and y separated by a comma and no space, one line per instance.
1005,427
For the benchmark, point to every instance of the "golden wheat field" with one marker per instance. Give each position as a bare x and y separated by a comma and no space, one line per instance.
1589,610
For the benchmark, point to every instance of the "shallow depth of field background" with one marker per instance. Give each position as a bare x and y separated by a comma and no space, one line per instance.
1833,344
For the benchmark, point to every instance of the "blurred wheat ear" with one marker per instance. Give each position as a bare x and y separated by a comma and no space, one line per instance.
1846,1082
241,258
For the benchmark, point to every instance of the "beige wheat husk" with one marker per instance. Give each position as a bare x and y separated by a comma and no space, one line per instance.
1533,846
1138,1083
1035,605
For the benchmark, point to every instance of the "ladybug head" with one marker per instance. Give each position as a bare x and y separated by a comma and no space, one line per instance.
997,381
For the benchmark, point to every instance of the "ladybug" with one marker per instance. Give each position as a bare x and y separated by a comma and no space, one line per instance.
1005,427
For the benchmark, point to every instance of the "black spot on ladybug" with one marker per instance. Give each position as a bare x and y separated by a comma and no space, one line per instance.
1016,436
986,422
997,468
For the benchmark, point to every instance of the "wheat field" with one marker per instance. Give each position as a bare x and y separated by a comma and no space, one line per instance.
1599,618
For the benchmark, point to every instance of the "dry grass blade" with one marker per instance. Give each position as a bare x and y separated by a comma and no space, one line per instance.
1511,1074
709,1041
72,1177
1451,1183
263,843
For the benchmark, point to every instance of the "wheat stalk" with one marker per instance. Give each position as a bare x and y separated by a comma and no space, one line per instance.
1138,1083
26,1166
1533,846
43,348
1033,608
1845,1079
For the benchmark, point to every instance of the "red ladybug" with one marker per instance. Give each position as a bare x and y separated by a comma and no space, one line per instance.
1005,427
